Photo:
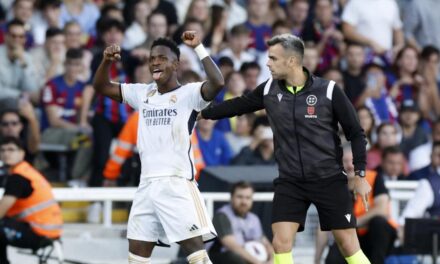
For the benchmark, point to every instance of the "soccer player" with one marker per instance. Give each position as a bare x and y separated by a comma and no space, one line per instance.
167,206
304,112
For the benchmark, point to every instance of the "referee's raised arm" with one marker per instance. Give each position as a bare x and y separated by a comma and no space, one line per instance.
246,103
101,82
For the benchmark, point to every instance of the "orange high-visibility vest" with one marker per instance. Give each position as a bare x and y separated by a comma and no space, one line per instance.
359,209
126,143
124,148
40,209
199,163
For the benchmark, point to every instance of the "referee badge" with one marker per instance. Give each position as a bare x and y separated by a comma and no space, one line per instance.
311,101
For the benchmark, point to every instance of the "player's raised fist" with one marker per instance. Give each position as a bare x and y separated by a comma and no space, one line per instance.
112,53
191,38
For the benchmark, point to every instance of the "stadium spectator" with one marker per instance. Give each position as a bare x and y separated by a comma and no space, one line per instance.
81,11
241,137
213,145
392,165
250,72
239,229
136,33
406,82
387,136
22,124
311,57
61,100
47,16
237,50
235,87
29,213
17,71
413,135
157,27
49,59
432,168
376,97
366,120
297,13
354,81
375,24
424,202
260,151
420,157
420,19
236,13
325,31
22,10
258,23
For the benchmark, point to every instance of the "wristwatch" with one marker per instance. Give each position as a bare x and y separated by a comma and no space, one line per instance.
360,173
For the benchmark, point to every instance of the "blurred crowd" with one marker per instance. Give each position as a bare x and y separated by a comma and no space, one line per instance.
383,53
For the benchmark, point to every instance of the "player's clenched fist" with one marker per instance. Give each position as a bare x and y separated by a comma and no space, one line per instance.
191,38
112,53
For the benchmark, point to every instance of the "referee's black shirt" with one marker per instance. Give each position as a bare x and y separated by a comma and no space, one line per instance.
305,126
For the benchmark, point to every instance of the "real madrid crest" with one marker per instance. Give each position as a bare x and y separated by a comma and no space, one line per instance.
173,99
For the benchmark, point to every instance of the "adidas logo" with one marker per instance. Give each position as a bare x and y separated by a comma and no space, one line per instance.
348,216
193,228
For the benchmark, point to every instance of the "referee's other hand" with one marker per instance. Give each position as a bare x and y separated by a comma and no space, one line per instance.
362,188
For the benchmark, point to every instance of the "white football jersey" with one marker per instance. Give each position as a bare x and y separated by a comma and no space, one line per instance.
166,122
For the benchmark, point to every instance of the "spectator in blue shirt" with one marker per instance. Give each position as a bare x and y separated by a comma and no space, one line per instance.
215,149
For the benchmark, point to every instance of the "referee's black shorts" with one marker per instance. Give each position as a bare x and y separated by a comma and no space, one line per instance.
331,196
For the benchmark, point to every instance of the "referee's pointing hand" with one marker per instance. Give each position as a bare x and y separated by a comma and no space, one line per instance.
362,188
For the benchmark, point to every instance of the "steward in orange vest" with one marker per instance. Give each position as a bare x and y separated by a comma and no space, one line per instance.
125,146
28,211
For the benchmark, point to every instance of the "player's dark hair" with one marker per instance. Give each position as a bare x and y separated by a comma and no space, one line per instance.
391,150
167,43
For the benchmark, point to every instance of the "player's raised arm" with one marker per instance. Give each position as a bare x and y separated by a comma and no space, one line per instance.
101,82
215,78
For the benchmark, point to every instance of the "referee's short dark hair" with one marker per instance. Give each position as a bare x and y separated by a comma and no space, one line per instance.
288,42
12,140
241,185
167,43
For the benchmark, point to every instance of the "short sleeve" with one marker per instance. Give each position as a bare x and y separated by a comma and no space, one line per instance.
198,103
131,94
397,22
350,14
222,225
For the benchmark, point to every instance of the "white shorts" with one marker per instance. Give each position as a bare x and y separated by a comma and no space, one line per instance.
167,210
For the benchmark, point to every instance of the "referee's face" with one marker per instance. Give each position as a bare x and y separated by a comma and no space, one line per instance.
241,201
278,62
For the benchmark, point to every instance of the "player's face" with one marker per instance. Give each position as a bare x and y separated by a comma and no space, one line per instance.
163,64
10,154
241,200
278,62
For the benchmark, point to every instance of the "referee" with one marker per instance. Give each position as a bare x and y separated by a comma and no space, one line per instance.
304,112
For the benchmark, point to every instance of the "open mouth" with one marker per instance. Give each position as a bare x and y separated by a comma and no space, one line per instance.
156,74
